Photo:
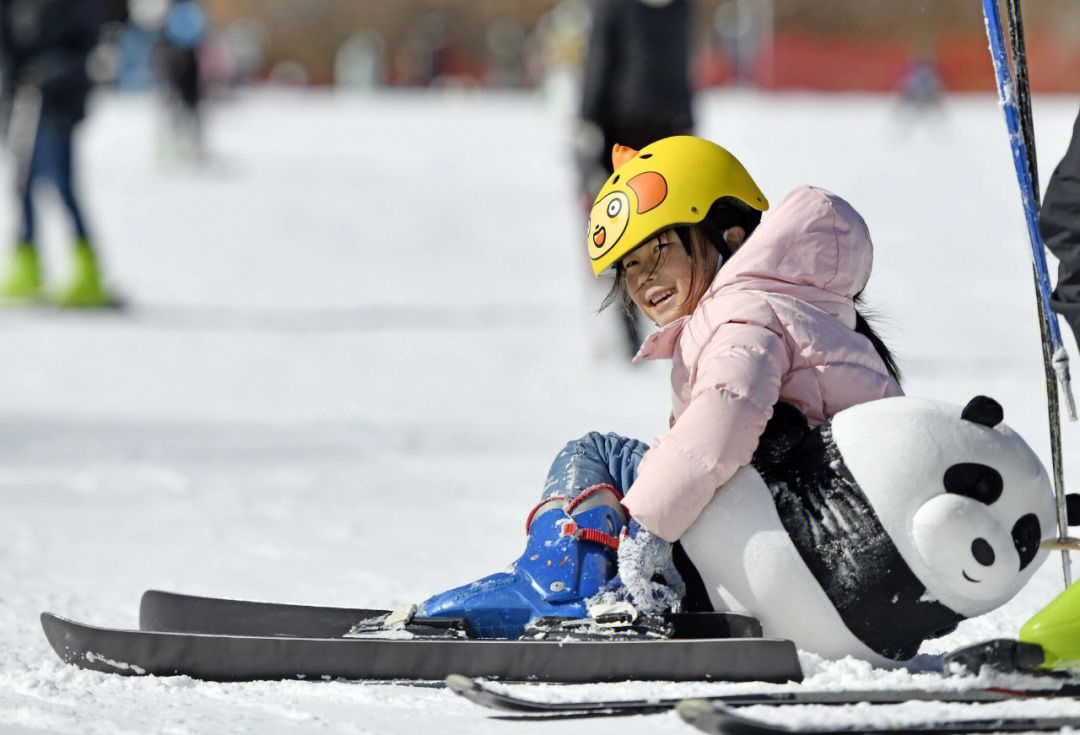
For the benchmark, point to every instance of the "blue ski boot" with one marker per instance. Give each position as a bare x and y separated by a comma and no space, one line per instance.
569,555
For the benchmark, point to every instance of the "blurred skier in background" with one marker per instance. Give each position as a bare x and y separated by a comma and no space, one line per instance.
44,45
1059,223
636,90
922,101
921,86
177,61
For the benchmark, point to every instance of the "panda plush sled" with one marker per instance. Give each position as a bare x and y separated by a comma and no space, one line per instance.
877,530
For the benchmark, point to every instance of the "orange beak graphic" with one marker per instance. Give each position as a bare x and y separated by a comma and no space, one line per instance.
599,237
620,154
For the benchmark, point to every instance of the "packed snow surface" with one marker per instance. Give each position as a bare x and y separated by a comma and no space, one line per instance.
359,334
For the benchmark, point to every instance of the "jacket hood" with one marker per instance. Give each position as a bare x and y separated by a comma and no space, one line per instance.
813,241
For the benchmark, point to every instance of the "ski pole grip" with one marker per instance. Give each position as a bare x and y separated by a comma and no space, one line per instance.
1061,367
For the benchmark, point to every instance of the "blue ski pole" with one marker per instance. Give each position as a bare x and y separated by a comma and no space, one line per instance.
1054,354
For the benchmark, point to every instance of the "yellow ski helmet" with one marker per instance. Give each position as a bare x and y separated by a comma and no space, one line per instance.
674,181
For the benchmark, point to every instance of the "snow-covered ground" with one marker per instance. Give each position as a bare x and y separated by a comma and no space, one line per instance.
359,335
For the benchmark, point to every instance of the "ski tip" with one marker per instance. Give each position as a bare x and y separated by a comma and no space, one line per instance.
716,719
474,691
165,596
149,604
150,595
465,687
52,621
158,593
461,684
54,627
692,710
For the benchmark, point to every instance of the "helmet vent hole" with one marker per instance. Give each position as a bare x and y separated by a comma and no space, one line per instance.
693,209
645,155
616,179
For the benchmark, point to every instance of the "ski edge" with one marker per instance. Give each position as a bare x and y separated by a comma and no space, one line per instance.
477,692
715,718
480,692
212,657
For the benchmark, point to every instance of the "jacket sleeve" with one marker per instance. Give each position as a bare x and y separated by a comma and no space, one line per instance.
737,384
1059,223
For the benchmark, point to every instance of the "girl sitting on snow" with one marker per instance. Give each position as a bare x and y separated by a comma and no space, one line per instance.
750,316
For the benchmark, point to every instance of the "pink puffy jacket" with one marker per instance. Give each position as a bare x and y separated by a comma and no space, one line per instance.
776,324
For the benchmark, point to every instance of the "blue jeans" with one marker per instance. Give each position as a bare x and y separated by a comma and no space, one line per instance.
594,459
51,159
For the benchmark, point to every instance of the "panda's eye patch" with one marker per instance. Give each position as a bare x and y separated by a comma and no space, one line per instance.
1026,536
976,481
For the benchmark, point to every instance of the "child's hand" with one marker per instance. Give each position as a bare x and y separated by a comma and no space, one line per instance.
647,575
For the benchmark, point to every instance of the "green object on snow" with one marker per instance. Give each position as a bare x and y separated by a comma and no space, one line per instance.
85,289
1057,629
23,282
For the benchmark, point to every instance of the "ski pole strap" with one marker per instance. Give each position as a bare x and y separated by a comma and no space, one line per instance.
1061,367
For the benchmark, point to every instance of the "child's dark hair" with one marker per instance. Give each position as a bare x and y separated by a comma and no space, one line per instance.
725,213
862,326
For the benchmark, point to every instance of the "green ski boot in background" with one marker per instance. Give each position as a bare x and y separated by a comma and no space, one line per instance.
85,291
1056,629
1049,643
23,282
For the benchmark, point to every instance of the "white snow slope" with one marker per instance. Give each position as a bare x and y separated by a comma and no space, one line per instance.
360,334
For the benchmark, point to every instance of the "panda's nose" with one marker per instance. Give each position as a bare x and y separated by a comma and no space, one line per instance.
982,551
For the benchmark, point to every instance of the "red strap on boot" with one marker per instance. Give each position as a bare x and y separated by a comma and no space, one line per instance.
552,499
589,492
591,534
569,528
570,505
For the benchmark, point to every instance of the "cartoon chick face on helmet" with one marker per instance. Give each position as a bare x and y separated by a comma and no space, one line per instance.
674,181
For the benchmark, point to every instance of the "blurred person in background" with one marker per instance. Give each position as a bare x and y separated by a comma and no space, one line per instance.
44,45
1059,223
177,62
636,90
922,99
921,85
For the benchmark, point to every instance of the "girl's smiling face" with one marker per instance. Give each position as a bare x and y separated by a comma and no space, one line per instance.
659,277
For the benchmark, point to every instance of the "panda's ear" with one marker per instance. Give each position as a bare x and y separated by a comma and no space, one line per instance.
1072,509
983,410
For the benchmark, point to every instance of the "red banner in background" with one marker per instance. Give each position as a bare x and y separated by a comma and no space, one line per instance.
802,60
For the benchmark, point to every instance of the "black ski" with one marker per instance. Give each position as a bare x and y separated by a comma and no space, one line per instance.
720,719
482,693
174,612
248,658
177,613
